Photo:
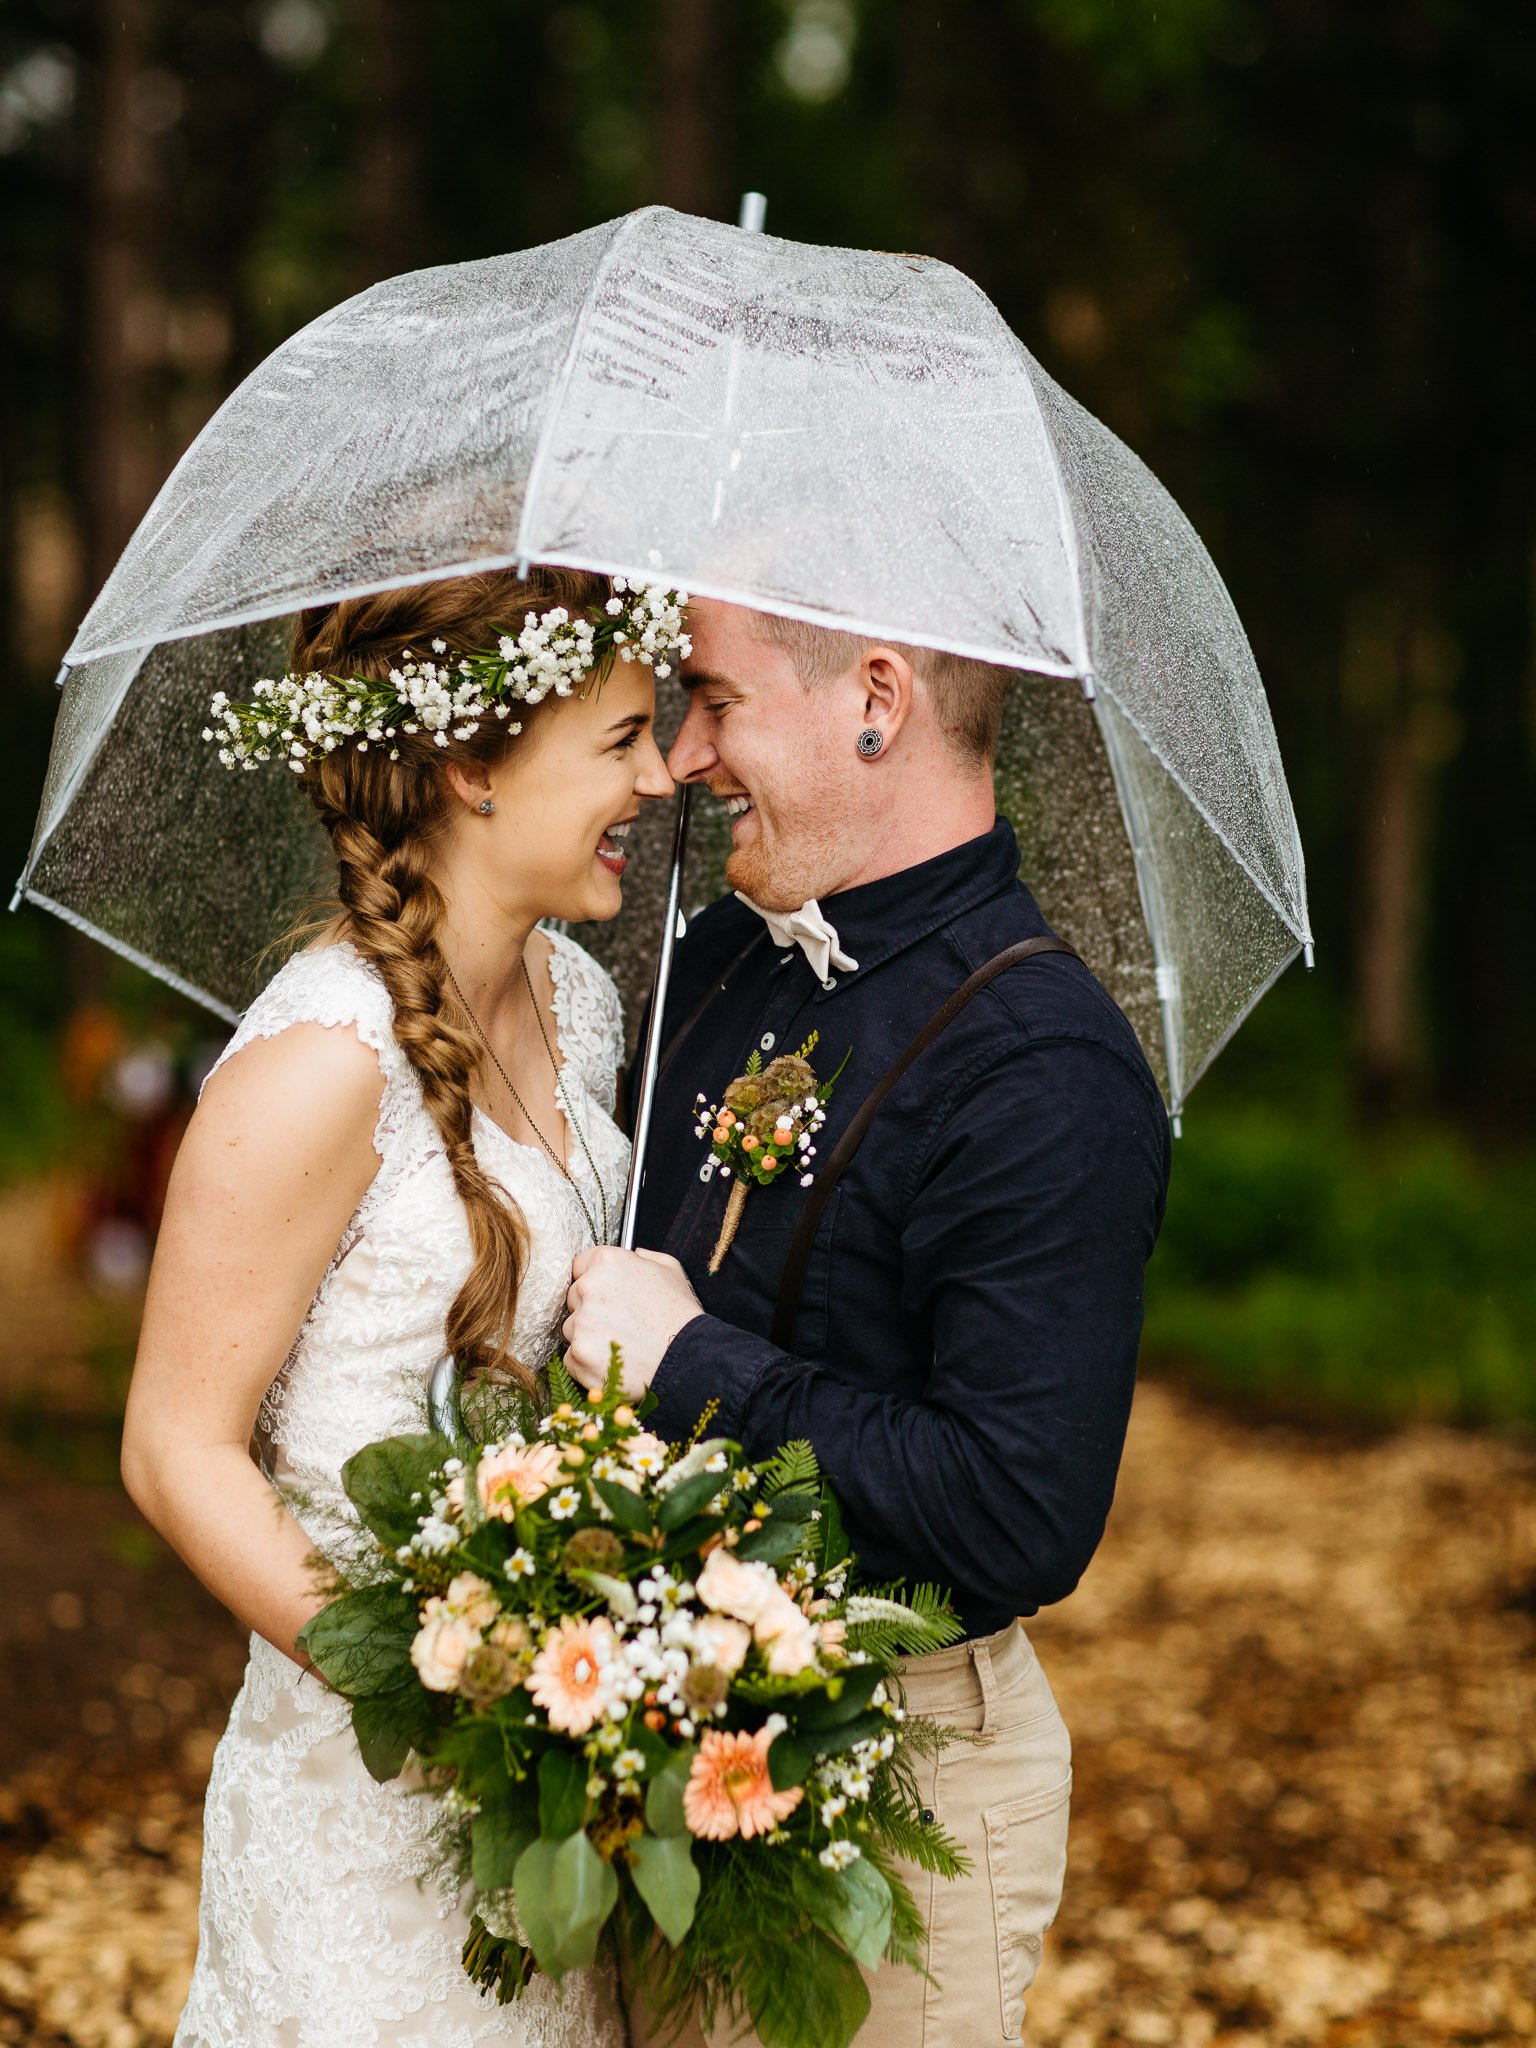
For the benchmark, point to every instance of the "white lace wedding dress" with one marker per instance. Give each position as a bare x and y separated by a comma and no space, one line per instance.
322,1923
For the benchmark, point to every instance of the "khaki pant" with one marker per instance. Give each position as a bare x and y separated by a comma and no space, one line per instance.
1004,1799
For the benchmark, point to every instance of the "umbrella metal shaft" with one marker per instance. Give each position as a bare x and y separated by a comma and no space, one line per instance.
650,1058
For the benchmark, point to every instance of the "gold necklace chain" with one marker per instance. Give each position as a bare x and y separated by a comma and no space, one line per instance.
565,1101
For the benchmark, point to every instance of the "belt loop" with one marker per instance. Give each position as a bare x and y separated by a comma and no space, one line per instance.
981,1657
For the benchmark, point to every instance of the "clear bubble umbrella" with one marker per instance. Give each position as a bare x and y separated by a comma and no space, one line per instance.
836,435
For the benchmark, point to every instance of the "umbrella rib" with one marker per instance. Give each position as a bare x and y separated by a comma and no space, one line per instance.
556,400
131,953
1287,917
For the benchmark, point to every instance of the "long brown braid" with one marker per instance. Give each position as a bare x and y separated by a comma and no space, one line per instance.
385,820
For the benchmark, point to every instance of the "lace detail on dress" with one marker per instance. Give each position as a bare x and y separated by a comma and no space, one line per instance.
323,1923
589,1016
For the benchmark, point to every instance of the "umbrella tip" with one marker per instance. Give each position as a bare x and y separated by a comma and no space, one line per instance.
1090,684
62,677
1308,956
753,212
17,894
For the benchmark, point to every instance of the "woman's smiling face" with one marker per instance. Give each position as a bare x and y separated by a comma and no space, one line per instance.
565,794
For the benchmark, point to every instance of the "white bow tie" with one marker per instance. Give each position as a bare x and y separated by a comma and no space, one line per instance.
810,931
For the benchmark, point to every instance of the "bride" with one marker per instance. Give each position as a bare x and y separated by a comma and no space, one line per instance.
404,1145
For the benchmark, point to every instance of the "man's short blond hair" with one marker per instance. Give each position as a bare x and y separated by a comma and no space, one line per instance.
967,695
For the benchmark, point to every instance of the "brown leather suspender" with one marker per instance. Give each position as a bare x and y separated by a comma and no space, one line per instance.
792,1279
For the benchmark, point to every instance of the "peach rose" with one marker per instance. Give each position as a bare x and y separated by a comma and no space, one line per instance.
722,1642
442,1646
471,1598
733,1587
788,1635
516,1477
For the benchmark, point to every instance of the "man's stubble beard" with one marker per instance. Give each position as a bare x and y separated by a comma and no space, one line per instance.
782,878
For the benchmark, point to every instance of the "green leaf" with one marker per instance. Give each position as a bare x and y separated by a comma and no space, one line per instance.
821,2003
361,1642
667,1878
664,1795
788,1761
833,1741
562,1793
819,1710
388,1725
380,1479
684,1501
852,1905
754,1061
565,1892
834,1538
793,1504
629,1510
499,1839
772,1543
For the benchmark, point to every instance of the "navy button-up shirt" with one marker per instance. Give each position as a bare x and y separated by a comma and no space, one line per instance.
965,1347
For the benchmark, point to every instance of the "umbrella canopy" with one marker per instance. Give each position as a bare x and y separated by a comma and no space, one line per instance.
837,435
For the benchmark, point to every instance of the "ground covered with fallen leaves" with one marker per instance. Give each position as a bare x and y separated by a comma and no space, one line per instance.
1301,1679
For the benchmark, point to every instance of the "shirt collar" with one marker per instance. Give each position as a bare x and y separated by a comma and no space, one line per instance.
877,920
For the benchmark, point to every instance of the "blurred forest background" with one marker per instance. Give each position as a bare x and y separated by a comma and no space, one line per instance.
1286,249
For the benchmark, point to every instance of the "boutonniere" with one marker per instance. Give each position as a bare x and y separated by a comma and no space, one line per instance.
764,1129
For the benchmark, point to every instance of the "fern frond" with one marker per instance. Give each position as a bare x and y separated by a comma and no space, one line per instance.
793,1468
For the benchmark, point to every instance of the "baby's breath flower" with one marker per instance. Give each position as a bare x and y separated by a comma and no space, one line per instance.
838,1855
300,718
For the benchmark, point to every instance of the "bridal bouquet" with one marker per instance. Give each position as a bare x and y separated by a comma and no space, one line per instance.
644,1686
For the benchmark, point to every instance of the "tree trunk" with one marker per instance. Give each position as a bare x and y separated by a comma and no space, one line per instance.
396,113
1400,670
692,82
116,284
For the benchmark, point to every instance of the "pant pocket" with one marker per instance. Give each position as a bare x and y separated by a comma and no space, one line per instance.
1027,1863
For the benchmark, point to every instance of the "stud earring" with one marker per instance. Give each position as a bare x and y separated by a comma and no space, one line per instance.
870,741
487,805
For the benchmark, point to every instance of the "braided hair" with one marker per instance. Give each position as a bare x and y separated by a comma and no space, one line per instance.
385,819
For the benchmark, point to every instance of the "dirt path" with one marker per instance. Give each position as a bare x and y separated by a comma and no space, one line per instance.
1301,1678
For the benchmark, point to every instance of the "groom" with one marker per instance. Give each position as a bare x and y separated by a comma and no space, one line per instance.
958,1337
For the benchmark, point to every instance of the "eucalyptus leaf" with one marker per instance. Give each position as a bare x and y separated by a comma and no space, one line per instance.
667,1878
386,1725
562,1793
664,1795
789,1759
565,1892
852,1905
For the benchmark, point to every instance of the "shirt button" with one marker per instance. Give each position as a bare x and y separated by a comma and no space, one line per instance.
830,982
767,1041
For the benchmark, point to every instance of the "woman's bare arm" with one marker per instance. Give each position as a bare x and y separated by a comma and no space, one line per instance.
270,1171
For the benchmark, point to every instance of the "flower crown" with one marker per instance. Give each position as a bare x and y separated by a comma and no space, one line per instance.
301,718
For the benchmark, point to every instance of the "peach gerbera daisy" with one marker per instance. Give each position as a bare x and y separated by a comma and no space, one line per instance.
515,1477
572,1674
729,1790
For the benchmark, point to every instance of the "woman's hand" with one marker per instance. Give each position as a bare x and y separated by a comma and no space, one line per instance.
270,1172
